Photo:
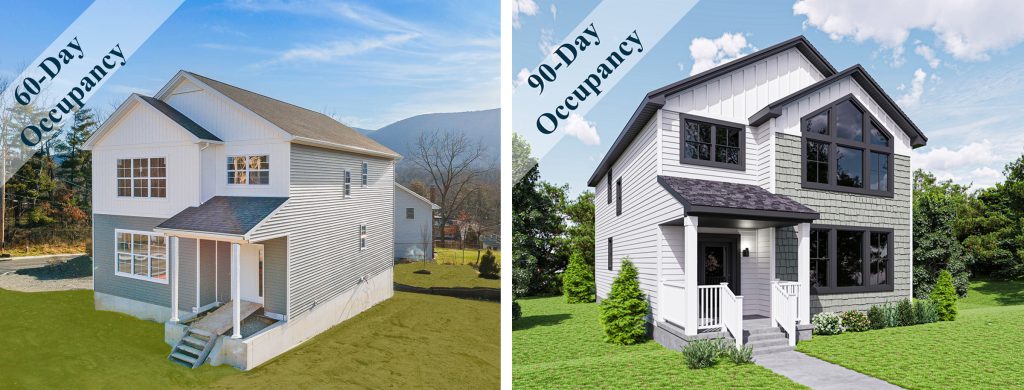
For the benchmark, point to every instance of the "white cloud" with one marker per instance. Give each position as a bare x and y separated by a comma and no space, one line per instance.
708,53
338,49
547,43
966,30
521,77
976,164
578,127
526,7
928,54
912,97
554,12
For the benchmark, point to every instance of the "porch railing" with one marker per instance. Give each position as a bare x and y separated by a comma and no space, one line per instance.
793,288
674,310
732,313
709,307
784,309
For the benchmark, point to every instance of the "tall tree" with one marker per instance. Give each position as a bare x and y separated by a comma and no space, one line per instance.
452,162
995,233
939,208
580,231
537,224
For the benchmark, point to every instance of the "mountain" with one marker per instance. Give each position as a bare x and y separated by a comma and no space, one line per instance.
365,132
482,126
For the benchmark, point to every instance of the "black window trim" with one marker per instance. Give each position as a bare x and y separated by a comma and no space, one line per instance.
835,142
683,159
865,260
610,253
609,186
618,196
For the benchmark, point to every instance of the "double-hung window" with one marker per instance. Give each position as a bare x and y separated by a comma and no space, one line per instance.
365,178
348,183
251,170
142,177
845,149
850,259
140,255
410,213
362,237
711,142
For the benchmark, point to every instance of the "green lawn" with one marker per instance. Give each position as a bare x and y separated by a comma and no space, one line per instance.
981,349
442,275
463,256
57,340
557,345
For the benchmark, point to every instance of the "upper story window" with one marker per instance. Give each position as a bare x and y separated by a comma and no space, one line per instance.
850,259
845,149
362,237
365,178
618,197
253,170
141,255
712,142
410,213
142,177
609,186
348,183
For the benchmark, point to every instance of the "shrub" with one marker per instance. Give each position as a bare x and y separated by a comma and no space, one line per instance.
701,353
826,323
944,296
890,314
740,355
905,313
876,317
578,281
925,312
488,268
516,311
623,312
854,321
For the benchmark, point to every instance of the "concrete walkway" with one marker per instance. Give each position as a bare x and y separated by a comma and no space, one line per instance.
819,374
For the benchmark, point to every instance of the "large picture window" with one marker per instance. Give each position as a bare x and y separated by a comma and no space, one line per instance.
850,259
141,255
252,170
711,142
846,150
142,177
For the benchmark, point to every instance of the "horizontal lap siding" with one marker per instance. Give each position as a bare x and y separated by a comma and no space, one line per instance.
322,225
275,275
838,208
208,272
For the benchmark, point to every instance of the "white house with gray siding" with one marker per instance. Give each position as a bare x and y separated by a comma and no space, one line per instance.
756,194
414,225
246,224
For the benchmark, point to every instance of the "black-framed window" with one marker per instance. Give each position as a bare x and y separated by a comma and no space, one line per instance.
609,186
711,142
848,259
618,196
609,253
845,149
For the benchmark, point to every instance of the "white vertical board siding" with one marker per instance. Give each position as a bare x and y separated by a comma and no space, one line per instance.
734,97
789,121
219,115
645,205
412,233
322,225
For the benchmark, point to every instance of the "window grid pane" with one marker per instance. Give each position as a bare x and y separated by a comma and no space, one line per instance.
365,174
348,183
849,258
819,258
849,167
251,170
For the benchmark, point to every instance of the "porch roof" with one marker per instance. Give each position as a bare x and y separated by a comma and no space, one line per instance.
728,203
224,215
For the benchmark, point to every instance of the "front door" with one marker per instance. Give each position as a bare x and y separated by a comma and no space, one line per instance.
252,273
718,261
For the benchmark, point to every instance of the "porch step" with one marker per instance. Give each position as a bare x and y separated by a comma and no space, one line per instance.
767,330
771,350
767,343
752,338
193,348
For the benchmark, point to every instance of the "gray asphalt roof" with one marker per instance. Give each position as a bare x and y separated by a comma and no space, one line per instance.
180,118
717,197
235,215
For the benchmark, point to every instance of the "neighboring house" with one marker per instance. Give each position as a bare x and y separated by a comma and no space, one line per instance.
758,193
414,223
207,195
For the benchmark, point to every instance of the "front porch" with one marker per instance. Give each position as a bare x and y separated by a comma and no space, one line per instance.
717,270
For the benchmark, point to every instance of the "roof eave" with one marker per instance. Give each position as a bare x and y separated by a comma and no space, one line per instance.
345,148
650,103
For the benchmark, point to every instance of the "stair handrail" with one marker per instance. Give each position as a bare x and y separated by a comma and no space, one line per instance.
732,313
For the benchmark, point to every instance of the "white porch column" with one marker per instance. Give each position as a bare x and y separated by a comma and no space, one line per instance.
804,273
173,241
236,291
690,268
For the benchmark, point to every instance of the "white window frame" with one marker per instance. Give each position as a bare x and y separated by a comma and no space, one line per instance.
247,170
347,183
149,256
364,173
363,237
131,178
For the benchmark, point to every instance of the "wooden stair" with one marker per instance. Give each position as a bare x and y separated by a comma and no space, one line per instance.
192,350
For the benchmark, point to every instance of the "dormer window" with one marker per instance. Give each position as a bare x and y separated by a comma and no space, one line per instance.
845,149
711,142
251,170
142,177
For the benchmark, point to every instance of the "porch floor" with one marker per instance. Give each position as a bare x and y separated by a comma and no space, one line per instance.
756,322
220,320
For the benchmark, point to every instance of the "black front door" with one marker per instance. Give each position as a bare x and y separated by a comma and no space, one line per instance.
718,261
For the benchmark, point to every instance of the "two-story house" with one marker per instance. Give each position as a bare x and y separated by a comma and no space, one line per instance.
757,193
220,211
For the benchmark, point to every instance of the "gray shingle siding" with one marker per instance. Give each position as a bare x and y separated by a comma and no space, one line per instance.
786,253
139,290
838,208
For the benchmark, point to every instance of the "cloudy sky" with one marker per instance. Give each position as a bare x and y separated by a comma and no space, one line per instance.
368,63
955,68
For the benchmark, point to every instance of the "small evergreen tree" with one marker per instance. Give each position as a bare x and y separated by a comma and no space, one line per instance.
905,313
944,295
516,310
876,317
623,312
488,268
577,281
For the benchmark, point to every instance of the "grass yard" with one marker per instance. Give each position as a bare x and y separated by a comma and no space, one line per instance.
981,349
558,345
442,275
46,249
463,256
57,340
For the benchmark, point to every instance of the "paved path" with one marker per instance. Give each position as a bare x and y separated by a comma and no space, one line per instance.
819,374
13,264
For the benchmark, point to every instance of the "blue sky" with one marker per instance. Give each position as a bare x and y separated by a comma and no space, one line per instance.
956,69
366,63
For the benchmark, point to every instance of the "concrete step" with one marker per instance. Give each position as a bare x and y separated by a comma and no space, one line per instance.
203,333
185,358
190,350
752,332
771,350
765,336
763,344
194,341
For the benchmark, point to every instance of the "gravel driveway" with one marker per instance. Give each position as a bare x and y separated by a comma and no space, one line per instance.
46,273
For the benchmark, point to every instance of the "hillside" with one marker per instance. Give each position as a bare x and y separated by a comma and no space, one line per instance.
483,126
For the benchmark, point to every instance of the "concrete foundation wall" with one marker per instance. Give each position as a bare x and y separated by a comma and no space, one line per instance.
134,308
